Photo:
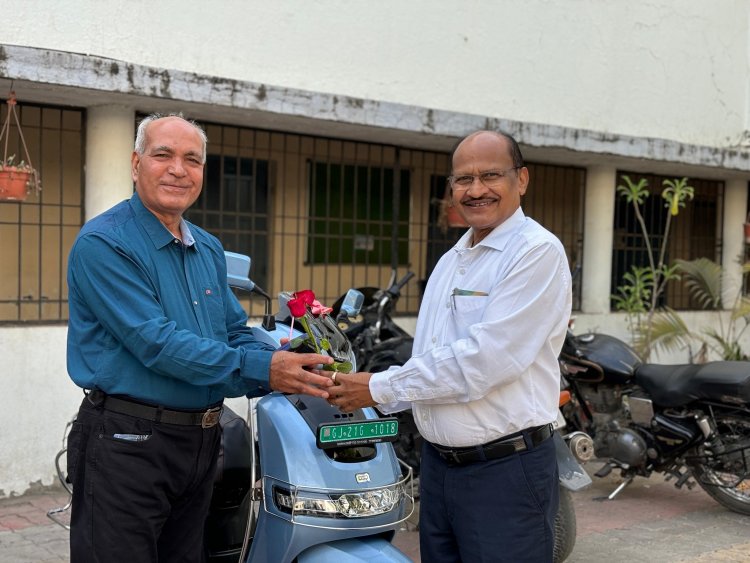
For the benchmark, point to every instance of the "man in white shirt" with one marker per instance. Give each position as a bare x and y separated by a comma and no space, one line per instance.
483,380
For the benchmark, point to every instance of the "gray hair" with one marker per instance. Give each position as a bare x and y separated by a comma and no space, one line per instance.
140,136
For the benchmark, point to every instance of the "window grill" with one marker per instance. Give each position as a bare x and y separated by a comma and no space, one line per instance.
352,210
38,233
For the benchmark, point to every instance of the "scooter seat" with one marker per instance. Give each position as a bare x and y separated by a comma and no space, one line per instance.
677,385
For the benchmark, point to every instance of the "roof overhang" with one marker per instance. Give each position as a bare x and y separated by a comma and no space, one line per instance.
79,80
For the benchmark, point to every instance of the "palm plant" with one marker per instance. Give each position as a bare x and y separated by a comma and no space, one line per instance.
704,279
643,285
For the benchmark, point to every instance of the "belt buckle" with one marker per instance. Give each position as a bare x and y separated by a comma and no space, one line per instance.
210,418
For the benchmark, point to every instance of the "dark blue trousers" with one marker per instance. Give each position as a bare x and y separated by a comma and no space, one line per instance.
500,510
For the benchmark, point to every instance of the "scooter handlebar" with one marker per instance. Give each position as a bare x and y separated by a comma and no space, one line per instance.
395,289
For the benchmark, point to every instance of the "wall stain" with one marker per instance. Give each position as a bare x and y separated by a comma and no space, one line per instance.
261,94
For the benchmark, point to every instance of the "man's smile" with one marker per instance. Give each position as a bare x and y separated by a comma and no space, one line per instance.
483,202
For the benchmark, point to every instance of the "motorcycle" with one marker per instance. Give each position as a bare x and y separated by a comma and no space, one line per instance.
378,343
298,480
689,422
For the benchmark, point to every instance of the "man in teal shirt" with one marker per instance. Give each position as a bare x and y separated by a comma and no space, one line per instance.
158,339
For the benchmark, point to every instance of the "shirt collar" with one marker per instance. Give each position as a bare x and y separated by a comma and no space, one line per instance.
156,231
498,237
187,236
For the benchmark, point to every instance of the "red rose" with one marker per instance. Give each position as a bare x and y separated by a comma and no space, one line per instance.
306,295
297,307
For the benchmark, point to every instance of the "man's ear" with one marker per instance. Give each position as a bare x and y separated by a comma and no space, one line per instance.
523,180
135,160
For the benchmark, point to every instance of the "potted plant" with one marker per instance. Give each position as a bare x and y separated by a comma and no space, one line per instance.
17,180
448,215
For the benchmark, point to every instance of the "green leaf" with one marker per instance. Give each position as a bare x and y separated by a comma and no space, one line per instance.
632,192
668,331
676,193
703,278
341,367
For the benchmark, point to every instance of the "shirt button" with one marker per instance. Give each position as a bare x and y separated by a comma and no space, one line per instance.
434,339
462,271
195,302
176,241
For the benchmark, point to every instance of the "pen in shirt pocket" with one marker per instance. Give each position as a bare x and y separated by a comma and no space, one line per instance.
465,293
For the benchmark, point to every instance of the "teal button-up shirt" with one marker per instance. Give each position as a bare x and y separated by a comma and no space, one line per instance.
153,318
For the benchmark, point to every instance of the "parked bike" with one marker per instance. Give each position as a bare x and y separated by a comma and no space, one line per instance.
378,343
689,422
300,481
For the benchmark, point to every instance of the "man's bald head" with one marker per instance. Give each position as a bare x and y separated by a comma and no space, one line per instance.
513,149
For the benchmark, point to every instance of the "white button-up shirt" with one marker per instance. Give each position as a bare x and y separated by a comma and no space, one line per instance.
490,327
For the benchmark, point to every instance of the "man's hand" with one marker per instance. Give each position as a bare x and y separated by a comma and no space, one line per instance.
352,391
294,373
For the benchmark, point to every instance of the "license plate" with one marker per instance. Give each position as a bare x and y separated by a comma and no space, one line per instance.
343,434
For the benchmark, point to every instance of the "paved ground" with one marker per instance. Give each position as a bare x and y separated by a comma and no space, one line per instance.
650,521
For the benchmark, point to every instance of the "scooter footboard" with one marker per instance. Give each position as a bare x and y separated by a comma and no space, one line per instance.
572,474
354,550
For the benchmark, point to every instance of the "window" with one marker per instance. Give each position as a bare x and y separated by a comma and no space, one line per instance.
355,211
233,206
38,233
694,232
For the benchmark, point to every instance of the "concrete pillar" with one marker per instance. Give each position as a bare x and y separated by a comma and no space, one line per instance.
599,210
110,132
733,245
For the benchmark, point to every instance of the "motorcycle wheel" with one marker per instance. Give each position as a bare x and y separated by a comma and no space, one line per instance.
565,527
727,479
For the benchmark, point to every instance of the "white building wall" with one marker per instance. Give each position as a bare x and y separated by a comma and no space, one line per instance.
619,68
663,69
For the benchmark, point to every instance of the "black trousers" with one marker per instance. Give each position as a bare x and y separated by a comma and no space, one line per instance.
141,490
500,510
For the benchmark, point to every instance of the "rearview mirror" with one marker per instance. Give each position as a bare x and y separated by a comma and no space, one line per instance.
353,302
238,271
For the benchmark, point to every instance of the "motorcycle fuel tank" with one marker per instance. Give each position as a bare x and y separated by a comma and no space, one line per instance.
617,360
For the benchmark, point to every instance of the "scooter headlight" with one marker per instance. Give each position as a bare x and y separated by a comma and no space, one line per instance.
338,505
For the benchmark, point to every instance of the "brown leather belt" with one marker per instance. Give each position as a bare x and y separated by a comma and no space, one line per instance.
502,447
205,419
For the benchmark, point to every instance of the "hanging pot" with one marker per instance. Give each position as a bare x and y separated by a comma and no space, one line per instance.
17,177
452,216
14,184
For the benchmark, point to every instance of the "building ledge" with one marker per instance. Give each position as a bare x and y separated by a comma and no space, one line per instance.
81,80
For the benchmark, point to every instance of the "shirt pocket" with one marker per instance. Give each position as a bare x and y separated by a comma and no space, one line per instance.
214,307
469,309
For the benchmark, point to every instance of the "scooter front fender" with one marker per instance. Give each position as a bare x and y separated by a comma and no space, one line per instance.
354,550
572,474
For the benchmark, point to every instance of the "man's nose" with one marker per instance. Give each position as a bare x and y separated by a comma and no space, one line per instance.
177,167
476,186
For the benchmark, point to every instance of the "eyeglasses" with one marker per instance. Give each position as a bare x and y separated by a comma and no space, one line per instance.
489,178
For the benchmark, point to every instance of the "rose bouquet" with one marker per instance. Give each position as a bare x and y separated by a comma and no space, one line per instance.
321,333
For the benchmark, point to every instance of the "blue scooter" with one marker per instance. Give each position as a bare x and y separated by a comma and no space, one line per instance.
300,481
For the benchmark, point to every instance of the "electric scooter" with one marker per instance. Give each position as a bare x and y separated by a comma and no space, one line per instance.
299,480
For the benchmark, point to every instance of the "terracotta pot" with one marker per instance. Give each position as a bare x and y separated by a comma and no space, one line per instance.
13,184
454,218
